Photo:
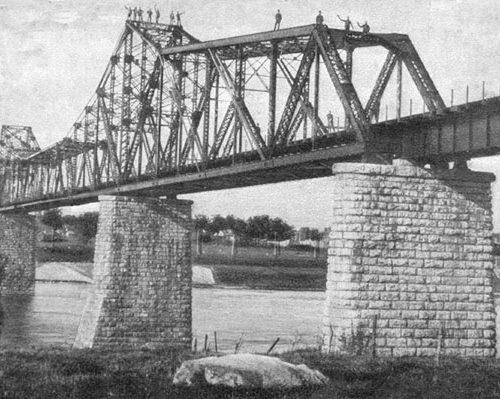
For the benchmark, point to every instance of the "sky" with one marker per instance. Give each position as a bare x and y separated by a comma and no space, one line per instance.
53,53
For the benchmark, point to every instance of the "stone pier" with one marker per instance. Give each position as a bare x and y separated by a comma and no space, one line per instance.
411,251
17,253
141,294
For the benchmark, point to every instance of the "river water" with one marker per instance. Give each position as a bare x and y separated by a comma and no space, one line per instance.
51,316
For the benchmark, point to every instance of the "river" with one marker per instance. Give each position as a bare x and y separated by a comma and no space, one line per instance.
50,317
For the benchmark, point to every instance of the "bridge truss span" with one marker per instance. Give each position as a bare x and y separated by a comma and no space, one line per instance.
169,107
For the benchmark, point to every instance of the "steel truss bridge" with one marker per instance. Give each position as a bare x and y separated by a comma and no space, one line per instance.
173,114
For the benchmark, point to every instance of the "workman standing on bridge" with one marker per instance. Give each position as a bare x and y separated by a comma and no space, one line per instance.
347,23
129,15
172,18
150,15
319,19
365,27
157,10
179,18
135,13
329,118
277,20
139,13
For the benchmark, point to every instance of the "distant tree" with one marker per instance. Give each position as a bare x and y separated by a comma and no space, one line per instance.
237,225
71,220
280,230
316,235
53,219
88,224
217,223
201,223
259,227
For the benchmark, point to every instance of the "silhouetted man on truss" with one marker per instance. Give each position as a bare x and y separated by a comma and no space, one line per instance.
277,20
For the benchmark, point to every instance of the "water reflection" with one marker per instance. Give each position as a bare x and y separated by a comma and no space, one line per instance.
15,311
52,314
49,317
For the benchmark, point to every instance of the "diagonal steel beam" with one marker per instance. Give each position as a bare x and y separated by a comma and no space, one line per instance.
343,85
115,165
193,136
306,108
421,78
222,132
373,105
239,104
295,95
144,110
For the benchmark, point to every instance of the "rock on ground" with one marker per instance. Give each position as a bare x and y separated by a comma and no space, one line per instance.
247,371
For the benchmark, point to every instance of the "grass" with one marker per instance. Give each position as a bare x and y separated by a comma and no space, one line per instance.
58,373
64,252
217,254
271,278
258,268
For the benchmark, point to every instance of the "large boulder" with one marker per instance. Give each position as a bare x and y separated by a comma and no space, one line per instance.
247,371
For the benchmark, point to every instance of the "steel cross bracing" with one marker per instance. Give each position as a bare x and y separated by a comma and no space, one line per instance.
169,105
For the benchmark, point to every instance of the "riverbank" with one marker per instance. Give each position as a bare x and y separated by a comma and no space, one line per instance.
250,267
56,373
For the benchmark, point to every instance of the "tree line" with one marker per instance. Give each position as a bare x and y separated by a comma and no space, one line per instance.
261,227
85,223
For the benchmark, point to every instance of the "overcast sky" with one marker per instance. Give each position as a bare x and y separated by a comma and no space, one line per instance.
52,54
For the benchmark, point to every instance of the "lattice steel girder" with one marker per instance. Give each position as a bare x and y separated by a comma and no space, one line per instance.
240,106
343,85
17,142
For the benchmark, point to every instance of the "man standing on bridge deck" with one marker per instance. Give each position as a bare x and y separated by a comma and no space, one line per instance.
277,21
150,15
347,23
365,27
139,13
129,15
178,15
157,10
329,118
319,19
135,13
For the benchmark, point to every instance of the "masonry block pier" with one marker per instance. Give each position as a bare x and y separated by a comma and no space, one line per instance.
142,275
411,249
17,253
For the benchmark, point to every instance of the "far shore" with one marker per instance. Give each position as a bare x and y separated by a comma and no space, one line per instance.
249,267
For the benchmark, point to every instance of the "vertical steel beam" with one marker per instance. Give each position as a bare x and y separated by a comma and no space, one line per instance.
399,79
316,89
348,67
306,99
272,94
206,108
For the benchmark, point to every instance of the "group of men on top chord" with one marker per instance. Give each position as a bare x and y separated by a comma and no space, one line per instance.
136,14
319,20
